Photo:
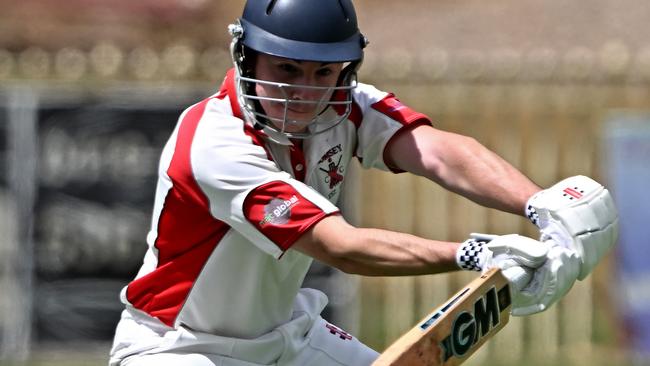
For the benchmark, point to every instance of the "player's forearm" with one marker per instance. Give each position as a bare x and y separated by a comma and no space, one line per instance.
470,169
375,252
462,165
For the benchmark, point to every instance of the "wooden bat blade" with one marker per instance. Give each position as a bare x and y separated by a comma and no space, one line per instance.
456,329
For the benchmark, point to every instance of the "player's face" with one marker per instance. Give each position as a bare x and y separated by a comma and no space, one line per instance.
287,71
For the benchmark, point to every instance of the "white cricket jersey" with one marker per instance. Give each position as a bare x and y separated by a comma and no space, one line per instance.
229,205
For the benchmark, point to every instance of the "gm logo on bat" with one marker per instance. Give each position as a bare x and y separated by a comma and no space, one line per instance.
469,327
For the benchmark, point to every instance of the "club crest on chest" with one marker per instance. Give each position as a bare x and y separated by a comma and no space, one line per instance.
331,168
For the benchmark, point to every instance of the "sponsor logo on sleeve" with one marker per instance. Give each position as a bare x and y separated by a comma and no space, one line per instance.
278,211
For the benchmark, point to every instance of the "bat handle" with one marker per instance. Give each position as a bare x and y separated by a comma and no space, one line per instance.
519,277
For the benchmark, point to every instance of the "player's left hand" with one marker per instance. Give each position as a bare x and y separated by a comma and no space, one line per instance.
577,213
540,273
484,251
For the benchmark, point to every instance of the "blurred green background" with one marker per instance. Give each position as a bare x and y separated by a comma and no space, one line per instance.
90,89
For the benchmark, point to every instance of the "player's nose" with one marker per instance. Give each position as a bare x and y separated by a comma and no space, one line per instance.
310,91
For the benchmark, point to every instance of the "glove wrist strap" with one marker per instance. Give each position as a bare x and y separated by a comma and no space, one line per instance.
531,211
470,254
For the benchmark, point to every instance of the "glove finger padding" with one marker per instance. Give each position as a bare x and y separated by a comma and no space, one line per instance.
550,282
518,276
510,250
579,214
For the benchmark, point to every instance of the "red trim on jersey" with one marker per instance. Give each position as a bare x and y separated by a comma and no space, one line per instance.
282,214
223,89
355,114
257,137
393,108
298,164
401,131
187,234
229,87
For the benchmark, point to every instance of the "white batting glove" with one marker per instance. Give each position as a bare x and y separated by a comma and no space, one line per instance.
579,214
540,273
517,256
549,283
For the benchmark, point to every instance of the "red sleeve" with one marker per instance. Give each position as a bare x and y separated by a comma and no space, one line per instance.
393,108
282,214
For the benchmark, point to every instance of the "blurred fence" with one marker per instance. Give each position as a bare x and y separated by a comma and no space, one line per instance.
78,167
548,121
80,131
613,61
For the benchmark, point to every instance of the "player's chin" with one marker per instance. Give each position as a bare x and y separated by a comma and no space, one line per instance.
292,124
300,119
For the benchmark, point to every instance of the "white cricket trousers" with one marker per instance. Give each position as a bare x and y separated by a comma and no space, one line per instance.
323,345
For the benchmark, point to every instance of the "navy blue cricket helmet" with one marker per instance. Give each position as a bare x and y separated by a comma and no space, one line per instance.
313,30
305,30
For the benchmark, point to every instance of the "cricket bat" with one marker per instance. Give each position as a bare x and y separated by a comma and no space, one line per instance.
456,329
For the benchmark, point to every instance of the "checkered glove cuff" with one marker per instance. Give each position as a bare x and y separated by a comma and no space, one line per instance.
531,212
470,255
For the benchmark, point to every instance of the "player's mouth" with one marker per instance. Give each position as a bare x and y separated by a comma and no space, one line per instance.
301,110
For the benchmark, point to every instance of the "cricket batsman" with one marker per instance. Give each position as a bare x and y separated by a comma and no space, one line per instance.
248,194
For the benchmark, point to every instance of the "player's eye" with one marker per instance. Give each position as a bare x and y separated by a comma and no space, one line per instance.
326,71
288,68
